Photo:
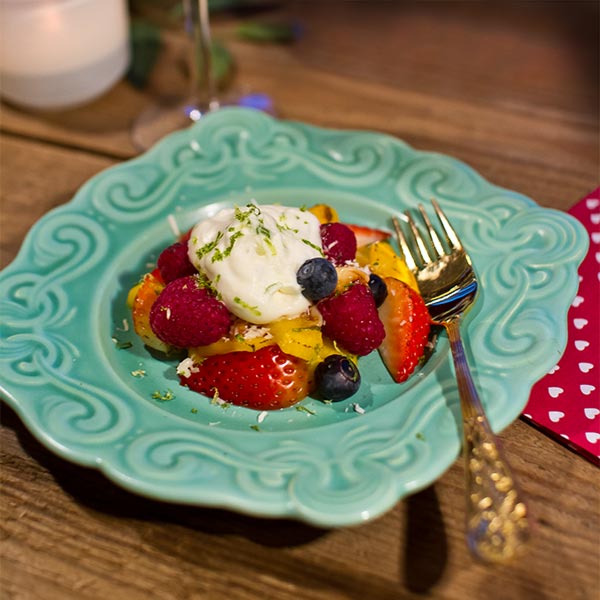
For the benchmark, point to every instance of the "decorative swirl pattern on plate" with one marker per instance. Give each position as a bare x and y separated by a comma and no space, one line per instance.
34,306
72,412
259,150
40,325
356,471
341,471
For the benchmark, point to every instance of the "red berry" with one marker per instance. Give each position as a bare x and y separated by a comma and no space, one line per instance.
187,315
339,243
185,237
174,263
351,320
267,379
407,324
367,235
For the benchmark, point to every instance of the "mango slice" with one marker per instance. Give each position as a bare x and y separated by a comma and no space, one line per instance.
325,213
142,297
383,261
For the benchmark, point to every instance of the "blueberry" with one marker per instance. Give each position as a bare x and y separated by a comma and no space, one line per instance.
337,378
317,277
378,289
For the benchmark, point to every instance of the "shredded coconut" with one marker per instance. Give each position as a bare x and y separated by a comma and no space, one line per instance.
358,408
125,326
255,331
173,225
186,367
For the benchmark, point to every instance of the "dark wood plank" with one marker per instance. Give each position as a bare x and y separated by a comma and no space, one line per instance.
510,88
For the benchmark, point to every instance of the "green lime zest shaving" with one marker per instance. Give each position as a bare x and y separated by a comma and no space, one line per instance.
163,397
314,246
209,246
253,309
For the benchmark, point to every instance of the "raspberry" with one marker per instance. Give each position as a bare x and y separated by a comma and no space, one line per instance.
185,314
339,243
351,320
174,263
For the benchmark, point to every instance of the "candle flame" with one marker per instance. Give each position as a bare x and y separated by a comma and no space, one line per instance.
52,17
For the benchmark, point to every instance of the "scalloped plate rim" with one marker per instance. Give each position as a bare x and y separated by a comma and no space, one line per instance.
120,477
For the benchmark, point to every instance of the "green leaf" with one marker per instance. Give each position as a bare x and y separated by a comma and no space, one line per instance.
145,48
281,33
222,63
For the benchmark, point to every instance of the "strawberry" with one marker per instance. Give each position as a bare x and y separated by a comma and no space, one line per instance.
267,379
185,237
407,324
368,235
145,294
351,320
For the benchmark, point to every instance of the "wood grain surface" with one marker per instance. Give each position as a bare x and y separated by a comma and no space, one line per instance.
511,88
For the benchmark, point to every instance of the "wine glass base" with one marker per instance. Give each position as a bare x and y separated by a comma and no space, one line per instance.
173,114
160,119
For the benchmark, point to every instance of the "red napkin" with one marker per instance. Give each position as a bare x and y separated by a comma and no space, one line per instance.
565,404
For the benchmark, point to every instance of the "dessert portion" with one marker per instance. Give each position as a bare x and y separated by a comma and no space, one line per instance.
273,303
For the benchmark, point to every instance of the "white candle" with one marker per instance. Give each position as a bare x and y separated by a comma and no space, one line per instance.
60,53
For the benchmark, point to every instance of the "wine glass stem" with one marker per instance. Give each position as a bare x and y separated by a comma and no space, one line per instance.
202,80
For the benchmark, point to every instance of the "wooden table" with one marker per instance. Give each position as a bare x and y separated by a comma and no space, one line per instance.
511,89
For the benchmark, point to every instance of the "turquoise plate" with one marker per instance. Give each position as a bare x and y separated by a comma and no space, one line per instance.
68,373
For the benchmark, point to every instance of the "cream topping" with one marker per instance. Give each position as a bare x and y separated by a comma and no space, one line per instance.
250,256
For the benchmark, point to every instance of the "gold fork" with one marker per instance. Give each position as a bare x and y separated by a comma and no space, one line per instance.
497,525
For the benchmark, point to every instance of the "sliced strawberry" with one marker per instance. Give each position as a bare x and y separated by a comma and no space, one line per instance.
407,324
185,237
147,292
368,235
267,379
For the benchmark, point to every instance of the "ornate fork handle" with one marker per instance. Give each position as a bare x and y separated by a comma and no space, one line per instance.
496,514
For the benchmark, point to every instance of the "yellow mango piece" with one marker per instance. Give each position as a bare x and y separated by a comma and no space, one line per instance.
299,337
383,261
237,342
329,347
325,213
133,292
142,297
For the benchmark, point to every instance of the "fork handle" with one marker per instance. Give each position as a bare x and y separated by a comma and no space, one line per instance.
497,524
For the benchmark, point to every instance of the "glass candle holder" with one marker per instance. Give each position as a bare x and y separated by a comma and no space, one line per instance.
57,54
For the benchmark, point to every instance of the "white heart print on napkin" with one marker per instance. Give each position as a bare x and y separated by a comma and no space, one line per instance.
555,415
566,402
554,391
591,413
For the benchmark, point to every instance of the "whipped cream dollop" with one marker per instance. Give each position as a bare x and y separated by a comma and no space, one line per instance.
251,255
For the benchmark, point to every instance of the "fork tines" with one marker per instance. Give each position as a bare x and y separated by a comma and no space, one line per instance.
426,250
